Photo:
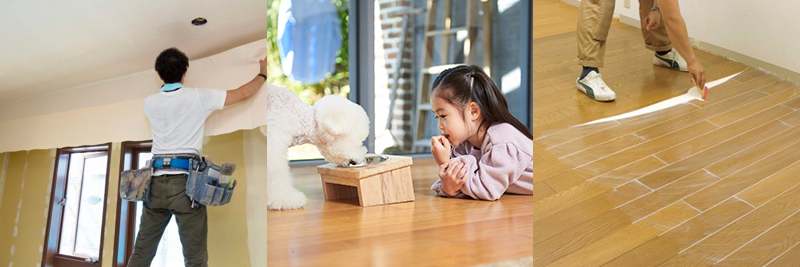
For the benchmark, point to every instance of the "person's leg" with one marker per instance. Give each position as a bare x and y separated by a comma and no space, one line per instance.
593,25
656,40
151,227
594,22
192,223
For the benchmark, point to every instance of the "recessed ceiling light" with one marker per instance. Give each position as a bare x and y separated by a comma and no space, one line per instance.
199,22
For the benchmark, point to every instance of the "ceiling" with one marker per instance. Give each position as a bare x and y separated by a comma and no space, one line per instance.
52,46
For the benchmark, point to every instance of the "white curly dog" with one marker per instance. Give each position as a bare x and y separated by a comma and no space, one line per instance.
335,125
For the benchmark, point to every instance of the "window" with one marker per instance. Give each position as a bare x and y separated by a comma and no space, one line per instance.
414,42
308,61
384,55
77,210
170,250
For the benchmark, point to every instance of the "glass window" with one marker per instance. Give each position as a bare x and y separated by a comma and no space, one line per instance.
74,231
308,53
170,250
83,209
413,43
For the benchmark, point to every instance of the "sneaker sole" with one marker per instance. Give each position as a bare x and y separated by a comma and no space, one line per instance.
666,63
591,95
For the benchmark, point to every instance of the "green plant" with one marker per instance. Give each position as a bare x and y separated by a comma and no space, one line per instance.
337,83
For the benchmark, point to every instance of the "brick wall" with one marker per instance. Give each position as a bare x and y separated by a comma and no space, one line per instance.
388,34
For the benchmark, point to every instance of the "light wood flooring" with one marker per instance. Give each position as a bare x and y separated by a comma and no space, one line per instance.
699,184
430,231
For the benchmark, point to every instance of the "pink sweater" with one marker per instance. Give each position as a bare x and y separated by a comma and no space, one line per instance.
504,163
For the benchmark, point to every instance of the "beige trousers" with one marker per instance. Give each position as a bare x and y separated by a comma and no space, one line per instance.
593,25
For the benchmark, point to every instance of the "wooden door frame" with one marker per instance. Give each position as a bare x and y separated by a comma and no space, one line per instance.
123,247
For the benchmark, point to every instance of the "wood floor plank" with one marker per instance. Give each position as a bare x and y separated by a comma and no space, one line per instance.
764,248
725,155
599,151
541,190
633,147
789,258
664,247
727,92
564,135
627,128
774,99
750,155
779,86
584,211
701,114
616,159
552,18
729,186
707,140
711,155
794,103
739,232
551,76
760,193
597,186
791,121
341,231
567,242
554,235
748,74
617,243
568,180
594,191
667,195
427,253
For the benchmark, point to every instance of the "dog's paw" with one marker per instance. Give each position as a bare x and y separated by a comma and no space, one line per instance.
286,201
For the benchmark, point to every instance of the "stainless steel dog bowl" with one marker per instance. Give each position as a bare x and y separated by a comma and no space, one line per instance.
369,160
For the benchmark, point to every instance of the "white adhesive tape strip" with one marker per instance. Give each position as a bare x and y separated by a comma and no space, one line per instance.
692,94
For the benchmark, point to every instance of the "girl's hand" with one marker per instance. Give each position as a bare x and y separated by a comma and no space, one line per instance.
453,177
652,20
440,148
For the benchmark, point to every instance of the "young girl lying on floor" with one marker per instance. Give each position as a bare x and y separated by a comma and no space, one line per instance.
493,150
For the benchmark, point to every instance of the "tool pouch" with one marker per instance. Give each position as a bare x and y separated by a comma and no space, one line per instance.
207,186
134,185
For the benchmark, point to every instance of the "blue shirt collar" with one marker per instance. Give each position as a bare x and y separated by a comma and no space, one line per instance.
171,87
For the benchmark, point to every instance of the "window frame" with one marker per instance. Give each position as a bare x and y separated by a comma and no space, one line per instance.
124,225
52,241
362,71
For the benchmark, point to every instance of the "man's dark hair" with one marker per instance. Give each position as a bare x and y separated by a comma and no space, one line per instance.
171,64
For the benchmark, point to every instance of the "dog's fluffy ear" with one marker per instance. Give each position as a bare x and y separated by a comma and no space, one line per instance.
335,125
339,116
331,114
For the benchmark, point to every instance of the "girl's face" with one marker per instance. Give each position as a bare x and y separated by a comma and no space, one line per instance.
451,121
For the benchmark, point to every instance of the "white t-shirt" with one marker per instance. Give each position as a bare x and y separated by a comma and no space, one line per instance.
177,119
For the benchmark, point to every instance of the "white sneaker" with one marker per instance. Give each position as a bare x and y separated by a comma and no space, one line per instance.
671,60
594,86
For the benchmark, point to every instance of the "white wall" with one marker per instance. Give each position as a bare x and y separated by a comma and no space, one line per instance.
763,30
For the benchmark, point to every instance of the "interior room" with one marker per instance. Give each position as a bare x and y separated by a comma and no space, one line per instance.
76,133
430,230
661,175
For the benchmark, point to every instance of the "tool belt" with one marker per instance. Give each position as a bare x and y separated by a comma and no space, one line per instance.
207,183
